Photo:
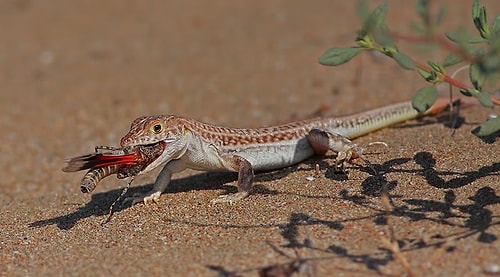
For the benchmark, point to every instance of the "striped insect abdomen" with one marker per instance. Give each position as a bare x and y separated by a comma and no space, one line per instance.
95,175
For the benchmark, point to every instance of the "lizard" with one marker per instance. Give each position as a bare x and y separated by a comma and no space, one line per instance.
200,146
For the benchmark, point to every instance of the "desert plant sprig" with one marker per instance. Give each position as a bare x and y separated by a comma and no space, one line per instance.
481,54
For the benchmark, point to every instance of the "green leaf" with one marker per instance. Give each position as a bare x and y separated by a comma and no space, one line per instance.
426,75
476,76
452,59
430,77
363,10
383,37
423,11
436,67
476,8
441,15
466,92
453,36
495,28
404,60
484,98
364,40
490,64
417,26
462,37
480,19
487,128
374,27
338,55
376,18
424,98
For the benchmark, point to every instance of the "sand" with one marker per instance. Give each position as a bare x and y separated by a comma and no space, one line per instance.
74,75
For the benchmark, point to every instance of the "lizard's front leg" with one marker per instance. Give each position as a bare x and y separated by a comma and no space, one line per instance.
245,178
161,183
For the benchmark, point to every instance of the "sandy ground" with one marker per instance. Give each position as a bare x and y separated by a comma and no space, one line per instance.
74,74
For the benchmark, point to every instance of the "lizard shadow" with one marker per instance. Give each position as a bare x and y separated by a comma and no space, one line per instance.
100,202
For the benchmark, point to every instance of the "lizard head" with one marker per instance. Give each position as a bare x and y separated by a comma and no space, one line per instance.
152,129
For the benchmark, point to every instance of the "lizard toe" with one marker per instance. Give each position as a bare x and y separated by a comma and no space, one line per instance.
146,198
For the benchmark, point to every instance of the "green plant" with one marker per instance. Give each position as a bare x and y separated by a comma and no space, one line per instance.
481,53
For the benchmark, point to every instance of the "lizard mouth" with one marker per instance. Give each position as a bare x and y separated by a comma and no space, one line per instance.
124,162
146,155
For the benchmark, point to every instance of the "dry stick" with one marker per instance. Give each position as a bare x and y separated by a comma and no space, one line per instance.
124,191
284,269
392,244
442,249
310,268
453,118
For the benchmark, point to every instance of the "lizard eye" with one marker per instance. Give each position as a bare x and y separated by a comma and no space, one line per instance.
157,128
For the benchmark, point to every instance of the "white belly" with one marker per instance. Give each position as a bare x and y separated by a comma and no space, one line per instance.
275,155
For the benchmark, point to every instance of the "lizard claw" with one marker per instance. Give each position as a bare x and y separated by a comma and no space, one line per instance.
230,198
147,198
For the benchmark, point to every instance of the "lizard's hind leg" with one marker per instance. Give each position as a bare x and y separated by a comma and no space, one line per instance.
245,178
322,141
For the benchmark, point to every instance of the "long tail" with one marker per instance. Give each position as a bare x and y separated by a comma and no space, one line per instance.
353,126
